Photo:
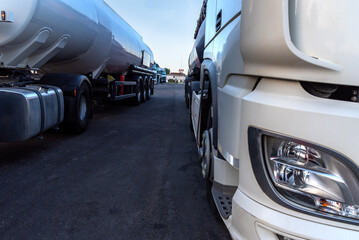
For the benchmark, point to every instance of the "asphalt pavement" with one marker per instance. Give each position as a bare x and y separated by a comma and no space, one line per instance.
134,174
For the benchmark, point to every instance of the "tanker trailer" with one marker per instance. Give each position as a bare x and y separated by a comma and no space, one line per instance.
195,60
84,52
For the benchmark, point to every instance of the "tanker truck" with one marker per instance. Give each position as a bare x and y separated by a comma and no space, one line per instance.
276,117
196,57
58,57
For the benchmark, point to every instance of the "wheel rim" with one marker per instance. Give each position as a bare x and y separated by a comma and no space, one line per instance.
139,96
83,107
206,154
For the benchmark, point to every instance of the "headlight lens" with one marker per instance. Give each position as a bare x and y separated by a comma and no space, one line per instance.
305,174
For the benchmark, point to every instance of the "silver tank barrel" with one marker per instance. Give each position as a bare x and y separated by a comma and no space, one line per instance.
82,36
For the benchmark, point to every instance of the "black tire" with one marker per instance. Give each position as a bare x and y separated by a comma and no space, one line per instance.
188,93
152,87
190,113
209,180
142,91
136,101
148,90
82,110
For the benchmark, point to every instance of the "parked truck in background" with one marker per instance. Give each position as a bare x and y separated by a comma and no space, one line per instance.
276,117
156,75
160,74
83,51
163,75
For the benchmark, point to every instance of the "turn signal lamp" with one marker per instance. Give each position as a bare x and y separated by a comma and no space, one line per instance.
7,16
312,176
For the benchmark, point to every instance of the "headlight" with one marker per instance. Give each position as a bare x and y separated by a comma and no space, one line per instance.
308,175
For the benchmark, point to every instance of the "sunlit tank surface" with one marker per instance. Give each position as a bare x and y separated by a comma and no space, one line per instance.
196,57
67,36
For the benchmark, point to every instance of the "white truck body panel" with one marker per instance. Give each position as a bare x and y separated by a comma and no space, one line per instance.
301,40
279,44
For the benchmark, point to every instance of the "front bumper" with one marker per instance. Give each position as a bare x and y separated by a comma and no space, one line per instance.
252,220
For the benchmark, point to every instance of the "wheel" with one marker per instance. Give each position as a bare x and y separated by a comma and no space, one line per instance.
148,91
190,113
206,154
143,92
187,94
137,100
152,87
207,163
82,109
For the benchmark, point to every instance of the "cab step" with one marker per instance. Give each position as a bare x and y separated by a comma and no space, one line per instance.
223,196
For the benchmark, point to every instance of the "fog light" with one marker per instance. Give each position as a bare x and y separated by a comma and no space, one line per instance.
306,174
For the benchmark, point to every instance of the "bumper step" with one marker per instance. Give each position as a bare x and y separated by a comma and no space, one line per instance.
222,196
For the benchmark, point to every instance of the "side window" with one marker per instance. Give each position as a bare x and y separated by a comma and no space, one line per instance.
219,13
225,11
210,20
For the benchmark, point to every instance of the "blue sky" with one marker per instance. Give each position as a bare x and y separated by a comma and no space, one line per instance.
167,27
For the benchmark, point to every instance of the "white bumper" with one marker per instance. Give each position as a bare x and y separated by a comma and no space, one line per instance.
252,220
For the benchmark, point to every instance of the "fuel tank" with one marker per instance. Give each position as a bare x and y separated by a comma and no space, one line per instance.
66,36
29,111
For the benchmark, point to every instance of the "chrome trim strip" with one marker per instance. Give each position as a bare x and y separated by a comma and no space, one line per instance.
229,158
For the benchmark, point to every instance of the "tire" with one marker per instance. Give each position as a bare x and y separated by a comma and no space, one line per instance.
82,109
209,176
136,101
142,92
188,94
148,90
190,113
152,87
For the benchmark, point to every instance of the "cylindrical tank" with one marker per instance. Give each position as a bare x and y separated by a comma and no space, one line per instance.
196,56
67,36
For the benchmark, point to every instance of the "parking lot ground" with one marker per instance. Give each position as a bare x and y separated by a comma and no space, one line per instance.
134,174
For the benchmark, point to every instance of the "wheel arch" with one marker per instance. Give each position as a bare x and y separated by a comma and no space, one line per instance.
208,70
67,82
70,85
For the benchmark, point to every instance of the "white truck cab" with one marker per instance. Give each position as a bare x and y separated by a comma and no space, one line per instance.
276,119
